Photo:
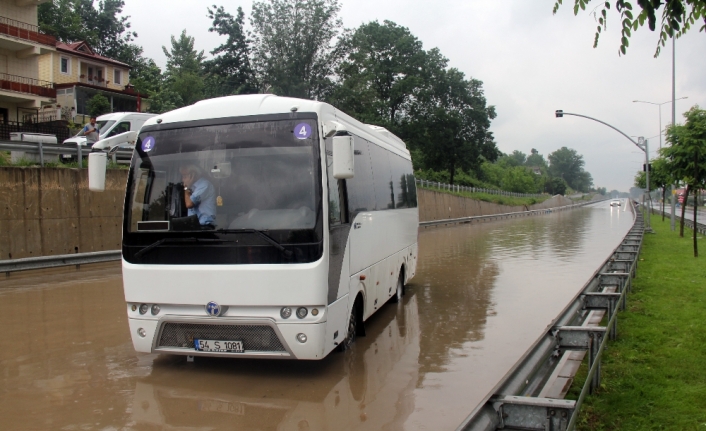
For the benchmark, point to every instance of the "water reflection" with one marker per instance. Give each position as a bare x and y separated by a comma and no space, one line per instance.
454,283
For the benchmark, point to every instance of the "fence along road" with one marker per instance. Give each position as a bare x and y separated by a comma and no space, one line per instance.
483,293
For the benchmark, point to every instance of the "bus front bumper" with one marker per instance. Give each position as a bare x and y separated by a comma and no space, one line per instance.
260,337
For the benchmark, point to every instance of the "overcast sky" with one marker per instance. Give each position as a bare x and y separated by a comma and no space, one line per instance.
531,63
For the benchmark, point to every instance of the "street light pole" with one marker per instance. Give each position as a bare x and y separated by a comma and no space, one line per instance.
659,105
641,144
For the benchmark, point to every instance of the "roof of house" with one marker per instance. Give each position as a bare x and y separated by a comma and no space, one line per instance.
82,49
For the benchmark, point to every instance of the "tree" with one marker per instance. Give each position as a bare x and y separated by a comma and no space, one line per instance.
184,72
536,160
687,157
98,105
452,124
229,72
384,68
388,79
165,100
519,157
293,47
677,18
519,180
555,186
568,164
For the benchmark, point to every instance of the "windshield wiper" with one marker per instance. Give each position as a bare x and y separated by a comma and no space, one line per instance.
175,240
263,235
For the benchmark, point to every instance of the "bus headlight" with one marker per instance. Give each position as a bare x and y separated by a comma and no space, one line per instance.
285,312
142,333
155,309
302,312
144,308
301,338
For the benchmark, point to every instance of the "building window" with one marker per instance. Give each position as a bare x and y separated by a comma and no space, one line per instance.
65,65
118,78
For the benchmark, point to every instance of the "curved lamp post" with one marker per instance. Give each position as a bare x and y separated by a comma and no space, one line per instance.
641,143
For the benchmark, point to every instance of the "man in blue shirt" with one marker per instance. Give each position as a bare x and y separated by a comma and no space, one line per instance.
199,194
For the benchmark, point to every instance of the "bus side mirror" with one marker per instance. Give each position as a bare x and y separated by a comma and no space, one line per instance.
97,163
342,157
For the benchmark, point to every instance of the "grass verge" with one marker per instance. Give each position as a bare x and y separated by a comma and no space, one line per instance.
654,375
496,199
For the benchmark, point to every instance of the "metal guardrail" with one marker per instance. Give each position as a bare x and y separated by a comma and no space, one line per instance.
484,218
44,262
459,188
43,149
515,403
700,227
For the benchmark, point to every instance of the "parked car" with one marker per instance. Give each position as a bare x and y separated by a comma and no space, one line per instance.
615,203
111,125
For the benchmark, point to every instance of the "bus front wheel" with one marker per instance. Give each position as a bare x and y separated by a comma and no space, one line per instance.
352,328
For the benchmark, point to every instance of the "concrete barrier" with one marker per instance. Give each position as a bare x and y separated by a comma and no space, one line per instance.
49,211
435,205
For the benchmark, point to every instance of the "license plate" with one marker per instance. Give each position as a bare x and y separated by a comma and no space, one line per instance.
221,407
218,346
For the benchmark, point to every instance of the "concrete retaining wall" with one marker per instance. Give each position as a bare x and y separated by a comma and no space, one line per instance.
49,211
435,205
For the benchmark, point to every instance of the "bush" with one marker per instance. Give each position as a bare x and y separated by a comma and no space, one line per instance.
98,105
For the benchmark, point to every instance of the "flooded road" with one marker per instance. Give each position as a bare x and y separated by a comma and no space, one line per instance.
482,295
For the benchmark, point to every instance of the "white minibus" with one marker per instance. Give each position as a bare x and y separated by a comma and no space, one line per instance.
262,226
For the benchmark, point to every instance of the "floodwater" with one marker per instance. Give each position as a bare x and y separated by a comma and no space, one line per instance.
482,295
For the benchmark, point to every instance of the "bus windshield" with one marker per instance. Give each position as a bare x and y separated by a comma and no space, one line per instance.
216,180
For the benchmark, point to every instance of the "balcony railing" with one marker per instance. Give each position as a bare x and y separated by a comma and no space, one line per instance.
93,81
22,84
25,31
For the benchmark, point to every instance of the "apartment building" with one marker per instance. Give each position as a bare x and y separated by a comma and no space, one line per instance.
78,74
24,97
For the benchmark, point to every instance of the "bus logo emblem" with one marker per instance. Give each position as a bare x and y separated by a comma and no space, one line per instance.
213,309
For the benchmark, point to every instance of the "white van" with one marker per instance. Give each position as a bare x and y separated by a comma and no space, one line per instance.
111,125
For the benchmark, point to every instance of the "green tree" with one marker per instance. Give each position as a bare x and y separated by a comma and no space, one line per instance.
384,67
536,160
98,105
555,186
451,123
229,72
519,157
294,49
184,71
165,100
567,163
687,157
519,179
677,17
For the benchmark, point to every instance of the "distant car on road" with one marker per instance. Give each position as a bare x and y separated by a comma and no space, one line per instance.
615,203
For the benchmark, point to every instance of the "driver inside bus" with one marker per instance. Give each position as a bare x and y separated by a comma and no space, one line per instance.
199,194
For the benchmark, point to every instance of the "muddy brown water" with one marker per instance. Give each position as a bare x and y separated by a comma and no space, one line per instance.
482,295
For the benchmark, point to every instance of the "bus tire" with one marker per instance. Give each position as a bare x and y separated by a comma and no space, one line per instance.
399,292
352,329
